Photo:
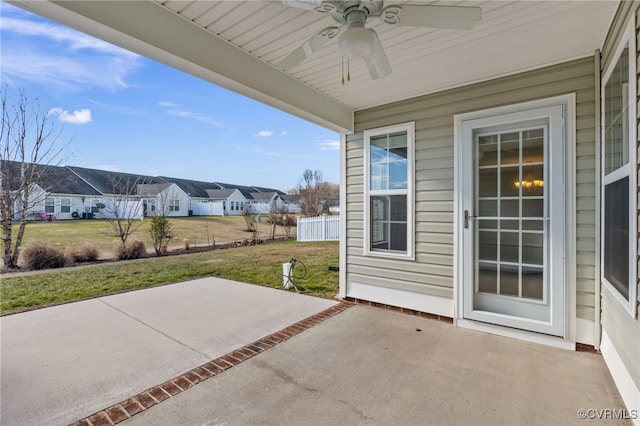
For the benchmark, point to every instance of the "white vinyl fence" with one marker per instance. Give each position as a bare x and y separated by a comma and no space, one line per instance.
319,228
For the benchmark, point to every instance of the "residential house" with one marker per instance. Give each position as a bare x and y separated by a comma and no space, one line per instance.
58,194
165,198
229,200
490,177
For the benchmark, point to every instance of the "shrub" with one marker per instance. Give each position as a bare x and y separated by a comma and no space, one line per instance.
160,230
84,254
42,257
134,250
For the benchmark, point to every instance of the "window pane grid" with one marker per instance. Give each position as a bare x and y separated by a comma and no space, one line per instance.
511,205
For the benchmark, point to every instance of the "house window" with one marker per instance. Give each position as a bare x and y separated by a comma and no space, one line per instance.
65,205
389,191
152,205
174,205
618,177
49,205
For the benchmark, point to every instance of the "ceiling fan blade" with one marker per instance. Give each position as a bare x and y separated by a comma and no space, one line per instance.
450,17
308,48
303,4
377,61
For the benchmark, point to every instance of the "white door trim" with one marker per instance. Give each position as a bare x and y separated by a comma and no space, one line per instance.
569,103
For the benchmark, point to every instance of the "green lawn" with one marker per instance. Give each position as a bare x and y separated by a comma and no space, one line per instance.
260,264
199,230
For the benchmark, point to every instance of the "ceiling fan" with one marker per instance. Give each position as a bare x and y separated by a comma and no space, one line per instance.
360,42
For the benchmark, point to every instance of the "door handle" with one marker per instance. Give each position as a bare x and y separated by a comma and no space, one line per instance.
467,216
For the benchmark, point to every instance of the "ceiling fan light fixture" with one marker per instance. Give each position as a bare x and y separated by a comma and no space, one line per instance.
356,43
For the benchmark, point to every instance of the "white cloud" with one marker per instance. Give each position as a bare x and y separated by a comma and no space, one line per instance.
283,133
82,116
264,133
329,145
203,118
167,104
73,39
57,56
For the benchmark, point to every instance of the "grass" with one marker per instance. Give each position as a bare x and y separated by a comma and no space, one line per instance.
199,230
260,264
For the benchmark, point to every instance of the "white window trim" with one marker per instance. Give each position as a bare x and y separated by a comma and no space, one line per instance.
62,204
628,40
410,129
51,204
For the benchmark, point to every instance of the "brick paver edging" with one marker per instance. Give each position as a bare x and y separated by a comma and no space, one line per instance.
150,397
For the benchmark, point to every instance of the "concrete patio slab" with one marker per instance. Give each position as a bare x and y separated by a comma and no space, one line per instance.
63,363
367,365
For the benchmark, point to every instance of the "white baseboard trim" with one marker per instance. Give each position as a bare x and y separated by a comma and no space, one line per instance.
585,331
628,390
404,299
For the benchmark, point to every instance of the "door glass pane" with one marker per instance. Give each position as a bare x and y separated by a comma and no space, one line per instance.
510,151
509,246
532,249
533,208
532,182
532,283
487,278
509,178
532,225
487,224
509,208
488,245
510,224
488,183
510,256
533,146
509,281
488,208
488,150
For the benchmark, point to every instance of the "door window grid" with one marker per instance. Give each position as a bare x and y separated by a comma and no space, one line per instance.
506,156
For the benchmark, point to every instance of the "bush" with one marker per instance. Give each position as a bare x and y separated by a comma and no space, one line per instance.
160,230
84,254
41,257
134,250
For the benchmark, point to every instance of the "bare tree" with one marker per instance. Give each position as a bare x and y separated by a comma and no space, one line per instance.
311,190
123,210
28,140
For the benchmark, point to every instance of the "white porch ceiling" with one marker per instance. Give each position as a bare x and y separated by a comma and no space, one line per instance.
236,44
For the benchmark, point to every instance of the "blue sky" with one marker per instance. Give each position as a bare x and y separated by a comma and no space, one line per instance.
125,112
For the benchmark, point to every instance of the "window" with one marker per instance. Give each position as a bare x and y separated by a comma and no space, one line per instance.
152,205
65,205
49,205
389,191
618,176
174,205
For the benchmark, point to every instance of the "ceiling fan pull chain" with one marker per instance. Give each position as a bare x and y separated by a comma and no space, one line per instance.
342,70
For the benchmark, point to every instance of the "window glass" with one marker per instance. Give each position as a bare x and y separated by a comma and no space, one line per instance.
618,212
389,199
49,205
65,205
616,235
616,116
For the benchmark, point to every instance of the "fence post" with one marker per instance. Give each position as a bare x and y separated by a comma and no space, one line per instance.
323,227
298,228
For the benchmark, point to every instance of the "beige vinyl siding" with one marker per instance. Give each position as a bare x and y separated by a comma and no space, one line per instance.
623,330
432,271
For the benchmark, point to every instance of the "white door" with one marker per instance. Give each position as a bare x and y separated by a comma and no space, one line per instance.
513,220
